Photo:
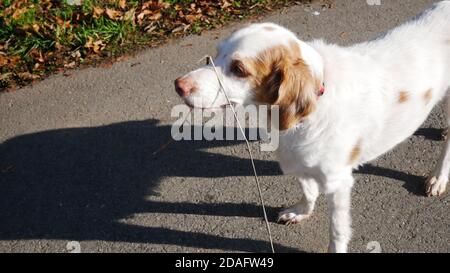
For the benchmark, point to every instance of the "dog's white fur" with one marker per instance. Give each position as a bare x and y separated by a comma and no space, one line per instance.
377,94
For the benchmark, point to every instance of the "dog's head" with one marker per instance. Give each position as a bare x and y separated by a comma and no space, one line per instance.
260,64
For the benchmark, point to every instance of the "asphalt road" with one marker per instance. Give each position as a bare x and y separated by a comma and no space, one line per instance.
77,165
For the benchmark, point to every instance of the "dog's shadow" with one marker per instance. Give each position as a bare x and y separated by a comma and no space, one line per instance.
77,184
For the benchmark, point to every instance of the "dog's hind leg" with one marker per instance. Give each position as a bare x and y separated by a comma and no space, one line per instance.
305,207
437,183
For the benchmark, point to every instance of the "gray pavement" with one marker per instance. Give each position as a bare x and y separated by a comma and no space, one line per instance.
76,162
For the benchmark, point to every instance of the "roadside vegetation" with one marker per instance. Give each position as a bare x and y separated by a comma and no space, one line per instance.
39,37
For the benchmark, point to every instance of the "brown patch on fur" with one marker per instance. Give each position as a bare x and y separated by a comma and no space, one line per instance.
427,96
280,76
355,154
403,97
269,28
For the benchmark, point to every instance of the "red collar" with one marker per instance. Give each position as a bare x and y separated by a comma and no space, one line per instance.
321,91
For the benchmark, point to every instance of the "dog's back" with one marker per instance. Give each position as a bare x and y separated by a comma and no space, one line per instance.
396,80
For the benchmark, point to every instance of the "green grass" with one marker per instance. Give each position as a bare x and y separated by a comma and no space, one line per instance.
40,38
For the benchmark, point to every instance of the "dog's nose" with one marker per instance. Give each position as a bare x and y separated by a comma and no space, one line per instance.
184,87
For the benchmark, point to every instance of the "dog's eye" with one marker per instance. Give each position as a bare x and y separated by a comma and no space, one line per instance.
238,69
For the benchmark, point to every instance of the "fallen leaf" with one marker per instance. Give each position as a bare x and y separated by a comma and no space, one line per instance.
3,60
114,14
150,28
12,61
180,28
155,16
96,46
129,15
76,54
36,28
98,12
27,76
70,65
62,22
40,58
225,4
122,4
18,13
5,76
143,14
99,45
58,46
191,18
164,5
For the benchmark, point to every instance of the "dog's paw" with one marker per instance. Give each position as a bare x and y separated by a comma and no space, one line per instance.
291,216
436,186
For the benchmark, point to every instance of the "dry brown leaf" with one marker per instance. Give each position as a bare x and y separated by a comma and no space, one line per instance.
143,14
58,46
40,58
180,28
114,14
70,65
225,4
129,15
36,28
62,23
76,54
150,28
13,60
99,46
96,46
59,21
211,12
28,76
191,18
155,16
122,4
98,12
3,60
18,13
164,5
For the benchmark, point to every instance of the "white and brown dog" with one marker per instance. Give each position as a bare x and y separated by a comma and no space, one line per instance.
377,94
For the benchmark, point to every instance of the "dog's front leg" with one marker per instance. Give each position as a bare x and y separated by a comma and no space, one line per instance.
304,209
339,203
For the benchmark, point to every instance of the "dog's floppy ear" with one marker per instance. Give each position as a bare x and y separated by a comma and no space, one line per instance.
283,78
294,87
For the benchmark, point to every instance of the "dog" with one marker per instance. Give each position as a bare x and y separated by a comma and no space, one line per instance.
339,107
